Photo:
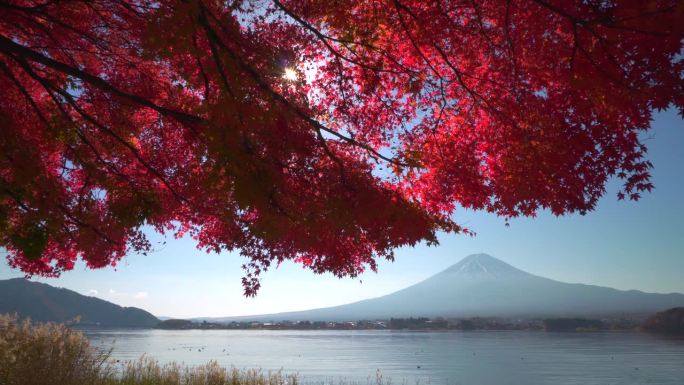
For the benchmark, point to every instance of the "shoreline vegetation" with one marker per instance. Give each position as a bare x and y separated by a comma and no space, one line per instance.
420,324
54,354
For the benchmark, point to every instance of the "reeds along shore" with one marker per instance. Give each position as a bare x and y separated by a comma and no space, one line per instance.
52,354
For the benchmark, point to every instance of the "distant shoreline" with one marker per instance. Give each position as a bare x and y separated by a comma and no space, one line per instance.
420,324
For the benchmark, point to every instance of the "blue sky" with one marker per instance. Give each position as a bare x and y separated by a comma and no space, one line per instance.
626,245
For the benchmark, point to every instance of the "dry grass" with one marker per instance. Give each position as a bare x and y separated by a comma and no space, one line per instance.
150,372
47,354
52,354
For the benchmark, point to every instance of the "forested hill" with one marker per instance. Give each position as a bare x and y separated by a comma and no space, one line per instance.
42,302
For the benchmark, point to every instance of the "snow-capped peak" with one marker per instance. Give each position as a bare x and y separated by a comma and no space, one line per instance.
482,265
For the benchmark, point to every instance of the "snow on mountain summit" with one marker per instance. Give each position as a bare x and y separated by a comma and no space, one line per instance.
482,265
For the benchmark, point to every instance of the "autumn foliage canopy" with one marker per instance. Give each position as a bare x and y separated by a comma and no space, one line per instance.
325,132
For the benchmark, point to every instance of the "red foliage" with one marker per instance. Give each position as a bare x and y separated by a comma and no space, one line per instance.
177,114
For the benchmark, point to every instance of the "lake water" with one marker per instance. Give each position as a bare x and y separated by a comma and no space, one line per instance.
469,358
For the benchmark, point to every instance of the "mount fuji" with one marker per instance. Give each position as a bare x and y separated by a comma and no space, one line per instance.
483,286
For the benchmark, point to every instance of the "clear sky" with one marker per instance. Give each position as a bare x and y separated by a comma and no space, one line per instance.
626,245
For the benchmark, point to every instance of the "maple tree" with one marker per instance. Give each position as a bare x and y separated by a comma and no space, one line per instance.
325,132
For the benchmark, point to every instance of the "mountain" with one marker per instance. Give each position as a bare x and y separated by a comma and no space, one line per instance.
481,285
42,302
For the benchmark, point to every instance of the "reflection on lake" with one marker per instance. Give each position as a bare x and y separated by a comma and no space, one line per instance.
469,358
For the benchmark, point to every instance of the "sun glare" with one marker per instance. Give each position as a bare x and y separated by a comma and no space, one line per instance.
290,74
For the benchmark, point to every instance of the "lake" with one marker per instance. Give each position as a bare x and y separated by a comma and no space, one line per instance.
405,357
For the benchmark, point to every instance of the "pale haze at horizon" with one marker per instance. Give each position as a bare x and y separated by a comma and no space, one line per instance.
622,244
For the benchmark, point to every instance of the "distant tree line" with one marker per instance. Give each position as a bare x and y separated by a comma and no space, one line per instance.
419,323
669,322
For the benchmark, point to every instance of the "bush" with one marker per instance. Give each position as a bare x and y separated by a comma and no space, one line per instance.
47,354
